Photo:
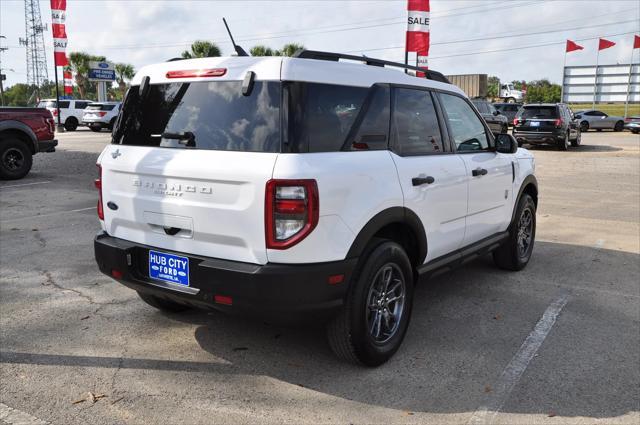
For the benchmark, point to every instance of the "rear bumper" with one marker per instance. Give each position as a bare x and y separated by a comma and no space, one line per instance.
538,137
96,121
47,145
284,293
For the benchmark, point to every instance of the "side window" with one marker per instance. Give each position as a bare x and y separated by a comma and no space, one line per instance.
490,108
64,104
81,105
415,123
467,129
373,132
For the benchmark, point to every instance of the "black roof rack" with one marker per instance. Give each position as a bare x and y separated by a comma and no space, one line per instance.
335,57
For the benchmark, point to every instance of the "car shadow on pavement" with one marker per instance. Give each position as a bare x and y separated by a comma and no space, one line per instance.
581,148
466,326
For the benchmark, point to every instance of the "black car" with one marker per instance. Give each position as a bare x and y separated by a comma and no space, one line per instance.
546,123
496,121
509,110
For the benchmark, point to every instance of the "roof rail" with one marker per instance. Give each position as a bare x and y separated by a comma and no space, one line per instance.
335,57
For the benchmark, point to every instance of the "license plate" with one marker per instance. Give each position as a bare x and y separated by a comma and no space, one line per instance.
169,268
535,123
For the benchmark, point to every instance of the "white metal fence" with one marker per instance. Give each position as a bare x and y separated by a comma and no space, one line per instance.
611,84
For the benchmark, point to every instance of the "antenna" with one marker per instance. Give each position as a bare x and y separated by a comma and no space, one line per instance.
239,50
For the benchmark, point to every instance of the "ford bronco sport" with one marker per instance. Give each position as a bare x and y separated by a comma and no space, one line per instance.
306,187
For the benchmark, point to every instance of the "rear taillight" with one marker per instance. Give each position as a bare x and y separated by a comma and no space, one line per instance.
516,121
558,122
198,73
55,112
51,124
98,185
292,210
102,113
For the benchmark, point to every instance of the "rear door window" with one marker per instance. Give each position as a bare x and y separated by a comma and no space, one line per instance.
415,123
466,128
81,104
203,115
373,131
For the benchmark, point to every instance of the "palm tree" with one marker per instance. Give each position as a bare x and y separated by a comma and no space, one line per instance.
289,49
261,50
124,73
79,64
202,49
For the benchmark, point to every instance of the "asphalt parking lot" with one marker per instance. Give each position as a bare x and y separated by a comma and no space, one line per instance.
556,343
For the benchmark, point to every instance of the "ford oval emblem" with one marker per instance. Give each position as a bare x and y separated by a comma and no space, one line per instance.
103,65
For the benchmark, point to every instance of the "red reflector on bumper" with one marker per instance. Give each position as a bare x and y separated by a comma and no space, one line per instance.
116,274
222,299
335,279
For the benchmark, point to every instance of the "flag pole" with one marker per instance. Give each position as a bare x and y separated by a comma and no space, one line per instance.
595,80
564,66
59,128
626,104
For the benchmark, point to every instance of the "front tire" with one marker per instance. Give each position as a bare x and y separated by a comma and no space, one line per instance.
15,159
584,126
163,304
374,319
575,143
515,253
619,126
71,124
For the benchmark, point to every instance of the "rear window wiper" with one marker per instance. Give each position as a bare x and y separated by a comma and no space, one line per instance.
187,138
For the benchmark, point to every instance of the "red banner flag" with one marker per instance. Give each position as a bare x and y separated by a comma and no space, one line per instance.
572,46
58,18
68,82
418,26
636,41
605,44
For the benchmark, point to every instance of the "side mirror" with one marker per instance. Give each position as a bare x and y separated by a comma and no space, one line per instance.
578,116
506,143
496,113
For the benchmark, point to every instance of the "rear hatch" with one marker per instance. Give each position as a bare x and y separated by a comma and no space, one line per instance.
95,111
188,167
537,118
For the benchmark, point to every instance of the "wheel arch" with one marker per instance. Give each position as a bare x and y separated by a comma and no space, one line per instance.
399,224
21,131
530,187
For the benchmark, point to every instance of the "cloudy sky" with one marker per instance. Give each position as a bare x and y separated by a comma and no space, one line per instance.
513,39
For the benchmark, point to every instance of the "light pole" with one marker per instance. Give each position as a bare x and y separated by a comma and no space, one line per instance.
2,76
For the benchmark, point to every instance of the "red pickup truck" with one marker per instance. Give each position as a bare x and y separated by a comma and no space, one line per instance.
23,133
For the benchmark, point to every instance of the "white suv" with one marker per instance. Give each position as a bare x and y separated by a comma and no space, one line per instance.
71,111
99,115
306,187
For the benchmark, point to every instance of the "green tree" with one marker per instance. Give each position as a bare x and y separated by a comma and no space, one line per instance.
79,65
493,86
202,49
18,94
289,49
124,73
542,91
261,50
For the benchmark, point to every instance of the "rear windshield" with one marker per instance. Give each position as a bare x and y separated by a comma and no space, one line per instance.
542,112
100,107
203,115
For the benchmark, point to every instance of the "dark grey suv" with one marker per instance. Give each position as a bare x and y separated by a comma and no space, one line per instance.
547,123
497,122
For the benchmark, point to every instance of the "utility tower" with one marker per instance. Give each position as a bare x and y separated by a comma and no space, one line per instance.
34,43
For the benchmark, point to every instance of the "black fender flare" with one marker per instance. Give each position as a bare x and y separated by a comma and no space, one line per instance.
391,215
21,127
530,179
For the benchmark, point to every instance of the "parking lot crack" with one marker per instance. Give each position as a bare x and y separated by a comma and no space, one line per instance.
50,281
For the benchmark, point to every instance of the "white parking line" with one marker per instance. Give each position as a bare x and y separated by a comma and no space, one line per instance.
518,364
13,416
24,184
47,215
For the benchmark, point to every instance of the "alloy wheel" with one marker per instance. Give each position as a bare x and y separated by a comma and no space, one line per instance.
385,303
13,159
525,232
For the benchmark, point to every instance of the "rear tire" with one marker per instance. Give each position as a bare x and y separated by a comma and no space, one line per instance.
575,143
163,304
515,253
619,126
370,328
95,128
15,158
504,129
563,144
71,124
111,124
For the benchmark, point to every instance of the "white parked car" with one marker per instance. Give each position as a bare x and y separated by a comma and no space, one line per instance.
99,115
306,187
71,111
